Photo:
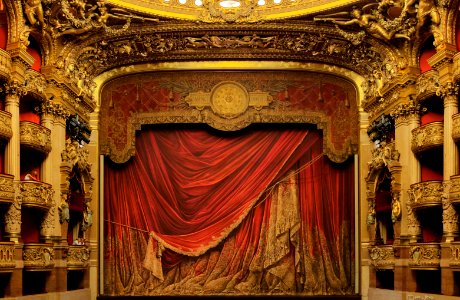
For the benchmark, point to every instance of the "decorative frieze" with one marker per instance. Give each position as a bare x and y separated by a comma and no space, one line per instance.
427,137
382,257
427,84
7,261
5,125
406,111
456,127
5,64
454,192
77,257
35,83
55,109
426,194
38,257
6,188
36,194
454,260
425,256
35,136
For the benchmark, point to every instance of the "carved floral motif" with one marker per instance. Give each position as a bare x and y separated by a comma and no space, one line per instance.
77,257
382,257
427,84
427,136
454,261
456,127
5,125
35,136
37,194
425,256
13,215
407,111
426,194
5,64
449,214
6,188
38,256
35,83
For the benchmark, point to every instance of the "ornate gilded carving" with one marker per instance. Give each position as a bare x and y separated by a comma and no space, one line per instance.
48,223
382,257
425,256
448,91
449,214
74,155
384,156
454,260
427,136
37,194
55,109
375,20
6,188
456,127
414,231
35,136
426,194
38,256
407,111
427,84
13,215
35,83
13,87
454,191
229,99
5,64
7,261
5,125
77,257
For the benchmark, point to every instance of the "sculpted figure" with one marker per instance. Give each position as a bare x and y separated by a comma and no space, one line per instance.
34,12
370,23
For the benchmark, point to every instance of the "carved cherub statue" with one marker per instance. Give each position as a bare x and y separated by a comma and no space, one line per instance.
369,22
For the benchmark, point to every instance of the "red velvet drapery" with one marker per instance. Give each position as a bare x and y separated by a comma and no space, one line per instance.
196,192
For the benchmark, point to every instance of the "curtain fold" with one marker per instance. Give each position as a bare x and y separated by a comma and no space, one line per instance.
236,213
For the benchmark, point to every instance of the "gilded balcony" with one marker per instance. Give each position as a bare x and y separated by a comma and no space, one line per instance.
7,261
454,191
456,127
382,257
6,132
427,137
77,257
426,194
425,256
38,257
35,136
5,64
36,194
6,188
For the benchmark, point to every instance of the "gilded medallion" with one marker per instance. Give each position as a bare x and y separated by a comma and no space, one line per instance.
229,99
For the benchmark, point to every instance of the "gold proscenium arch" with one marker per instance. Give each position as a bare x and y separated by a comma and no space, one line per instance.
206,106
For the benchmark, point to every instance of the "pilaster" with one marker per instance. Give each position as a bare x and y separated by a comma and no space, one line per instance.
407,117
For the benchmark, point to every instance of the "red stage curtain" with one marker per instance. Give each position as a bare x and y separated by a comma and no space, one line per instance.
249,204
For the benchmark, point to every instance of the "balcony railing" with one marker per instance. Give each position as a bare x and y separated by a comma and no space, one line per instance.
426,194
7,261
38,257
6,188
35,136
36,194
77,257
456,127
454,192
425,256
382,257
6,132
427,137
5,64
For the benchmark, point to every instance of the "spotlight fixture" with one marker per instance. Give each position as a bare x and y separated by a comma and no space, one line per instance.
78,130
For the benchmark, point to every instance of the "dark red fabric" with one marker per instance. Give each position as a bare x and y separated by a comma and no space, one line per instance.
190,187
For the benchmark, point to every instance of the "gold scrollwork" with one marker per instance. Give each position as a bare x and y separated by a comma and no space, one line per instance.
426,194
38,256
382,257
425,256
35,136
427,136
